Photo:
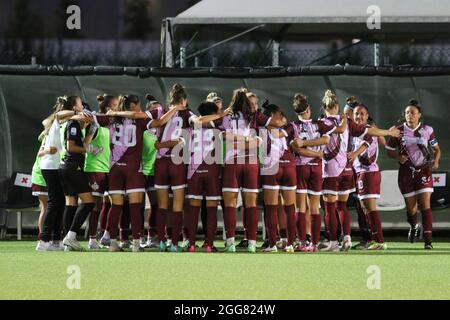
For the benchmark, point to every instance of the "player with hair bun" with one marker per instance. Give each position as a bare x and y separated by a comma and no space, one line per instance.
338,173
411,150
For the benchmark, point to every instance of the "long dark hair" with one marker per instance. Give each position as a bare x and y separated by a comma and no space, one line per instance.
127,100
104,102
300,103
70,102
411,103
240,103
177,94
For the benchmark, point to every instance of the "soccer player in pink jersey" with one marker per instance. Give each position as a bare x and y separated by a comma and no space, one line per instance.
411,150
368,178
241,169
309,169
125,177
204,177
337,180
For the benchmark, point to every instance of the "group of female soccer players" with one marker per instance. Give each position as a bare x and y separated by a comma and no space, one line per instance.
99,166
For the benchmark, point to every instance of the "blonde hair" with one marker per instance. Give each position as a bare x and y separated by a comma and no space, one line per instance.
329,100
47,122
213,97
251,95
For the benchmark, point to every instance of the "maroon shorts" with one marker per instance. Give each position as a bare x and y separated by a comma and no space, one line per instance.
310,179
170,175
122,180
342,185
412,183
38,190
240,176
150,183
284,179
205,183
98,181
368,185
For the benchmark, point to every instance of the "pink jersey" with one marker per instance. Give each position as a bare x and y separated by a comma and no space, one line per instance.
310,130
204,144
126,140
277,151
414,143
367,161
335,152
236,124
173,129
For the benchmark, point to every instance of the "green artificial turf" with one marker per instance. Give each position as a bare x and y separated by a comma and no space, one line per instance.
406,272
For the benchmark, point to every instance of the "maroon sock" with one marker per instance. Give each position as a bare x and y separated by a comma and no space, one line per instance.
291,224
411,218
301,226
229,217
136,219
125,220
244,222
377,231
271,215
316,222
177,225
251,216
93,223
211,225
363,223
161,223
427,222
330,213
113,220
152,224
104,215
344,217
192,223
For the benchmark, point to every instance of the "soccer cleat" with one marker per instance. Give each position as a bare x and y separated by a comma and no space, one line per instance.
209,248
281,244
125,244
333,246
93,244
313,248
289,249
251,248
265,244
428,245
324,244
114,246
347,244
301,247
231,248
242,244
270,249
185,245
55,246
105,241
136,246
308,239
162,246
363,245
72,243
377,246
191,248
414,233
174,248
42,246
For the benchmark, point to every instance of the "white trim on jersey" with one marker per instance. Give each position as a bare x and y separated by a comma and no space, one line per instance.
158,186
369,196
39,193
250,190
181,186
302,191
271,187
211,198
268,121
424,190
288,188
364,134
135,190
332,192
345,192
111,192
97,194
190,196
230,190
315,193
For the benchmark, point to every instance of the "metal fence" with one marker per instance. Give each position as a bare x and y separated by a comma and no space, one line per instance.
236,54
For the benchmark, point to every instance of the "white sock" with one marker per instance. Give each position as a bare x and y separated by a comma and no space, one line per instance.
230,241
252,242
92,240
136,242
71,235
284,239
106,234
